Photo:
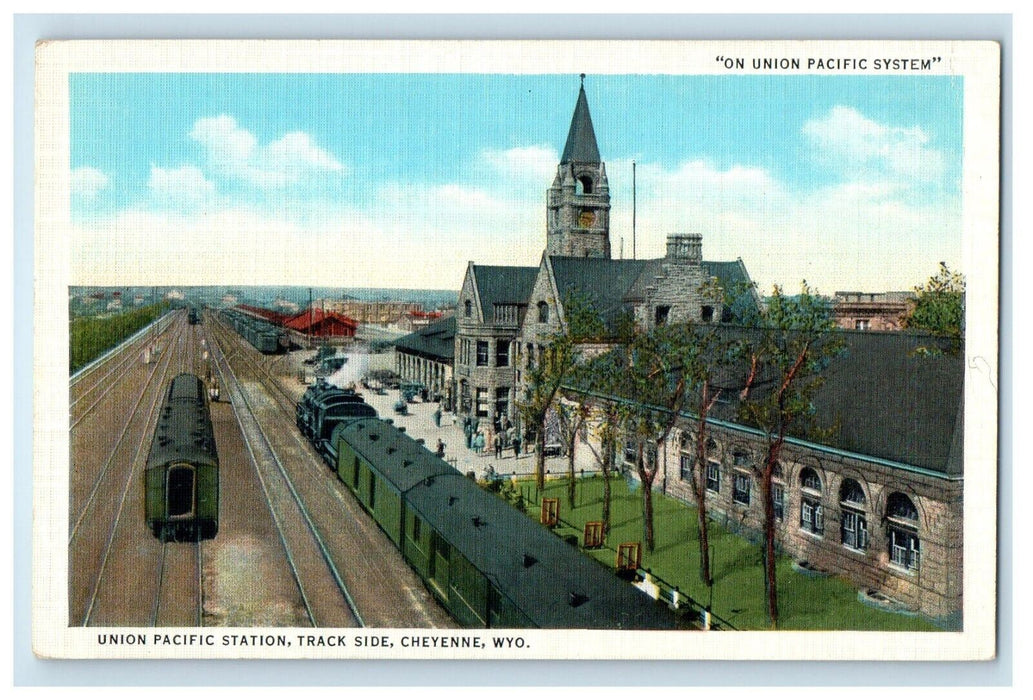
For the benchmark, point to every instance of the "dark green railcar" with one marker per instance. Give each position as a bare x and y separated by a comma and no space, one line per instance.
492,567
379,463
182,471
486,563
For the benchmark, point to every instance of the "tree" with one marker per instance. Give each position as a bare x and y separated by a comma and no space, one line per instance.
940,305
651,374
572,417
555,364
544,380
596,385
702,359
791,346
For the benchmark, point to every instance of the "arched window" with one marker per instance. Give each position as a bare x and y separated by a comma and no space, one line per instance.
812,515
467,308
902,531
583,185
853,526
543,312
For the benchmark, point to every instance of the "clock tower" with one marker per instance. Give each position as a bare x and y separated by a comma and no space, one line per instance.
578,217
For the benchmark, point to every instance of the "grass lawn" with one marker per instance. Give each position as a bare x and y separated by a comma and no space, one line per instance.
805,602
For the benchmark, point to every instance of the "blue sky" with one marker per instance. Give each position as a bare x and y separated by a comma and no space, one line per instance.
398,180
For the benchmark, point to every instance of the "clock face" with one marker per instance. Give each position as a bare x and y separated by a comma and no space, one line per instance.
586,218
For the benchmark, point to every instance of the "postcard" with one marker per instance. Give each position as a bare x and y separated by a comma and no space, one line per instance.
516,349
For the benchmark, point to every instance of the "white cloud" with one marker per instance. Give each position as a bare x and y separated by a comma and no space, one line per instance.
522,166
848,140
88,182
183,189
861,234
234,152
856,235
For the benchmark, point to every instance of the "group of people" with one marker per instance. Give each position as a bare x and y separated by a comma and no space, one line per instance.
501,436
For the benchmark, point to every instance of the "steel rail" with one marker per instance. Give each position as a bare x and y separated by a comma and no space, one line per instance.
320,542
121,505
231,389
167,357
161,580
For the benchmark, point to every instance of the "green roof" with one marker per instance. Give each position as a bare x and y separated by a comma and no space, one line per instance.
553,583
497,284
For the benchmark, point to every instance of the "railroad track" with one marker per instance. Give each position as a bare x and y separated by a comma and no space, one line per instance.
180,571
355,537
279,394
287,507
149,386
121,480
118,359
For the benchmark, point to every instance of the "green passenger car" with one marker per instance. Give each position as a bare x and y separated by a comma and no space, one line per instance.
379,463
181,476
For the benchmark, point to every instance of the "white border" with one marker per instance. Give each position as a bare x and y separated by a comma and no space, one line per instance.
977,62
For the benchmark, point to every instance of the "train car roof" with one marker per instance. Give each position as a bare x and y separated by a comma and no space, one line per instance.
399,459
185,386
184,430
553,583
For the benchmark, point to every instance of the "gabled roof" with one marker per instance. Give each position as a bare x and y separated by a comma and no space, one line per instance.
435,341
311,318
581,144
497,284
612,285
267,314
741,300
602,282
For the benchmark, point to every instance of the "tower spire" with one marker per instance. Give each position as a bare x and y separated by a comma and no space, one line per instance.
578,213
581,145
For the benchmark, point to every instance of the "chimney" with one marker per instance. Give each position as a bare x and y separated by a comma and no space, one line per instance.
685,248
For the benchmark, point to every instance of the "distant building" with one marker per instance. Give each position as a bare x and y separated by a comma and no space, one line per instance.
375,312
414,320
427,356
868,311
315,325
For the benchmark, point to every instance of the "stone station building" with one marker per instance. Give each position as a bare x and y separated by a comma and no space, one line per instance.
879,502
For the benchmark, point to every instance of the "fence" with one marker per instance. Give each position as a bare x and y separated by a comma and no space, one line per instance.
655,586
